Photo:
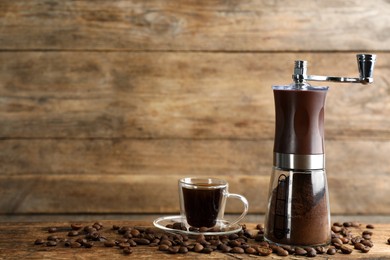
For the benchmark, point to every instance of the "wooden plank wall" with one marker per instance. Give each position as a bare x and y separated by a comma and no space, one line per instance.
105,104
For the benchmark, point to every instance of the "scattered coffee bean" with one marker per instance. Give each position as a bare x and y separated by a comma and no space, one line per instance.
141,241
331,251
347,224
264,251
173,249
370,226
127,251
250,250
311,252
359,246
52,229
163,247
355,224
207,250
123,245
52,238
336,229
300,251
247,241
183,250
115,227
88,244
198,247
367,237
320,250
345,249
51,243
75,226
75,245
39,242
225,248
367,243
388,240
237,250
73,233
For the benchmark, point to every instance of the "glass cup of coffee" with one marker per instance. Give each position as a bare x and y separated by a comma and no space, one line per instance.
203,200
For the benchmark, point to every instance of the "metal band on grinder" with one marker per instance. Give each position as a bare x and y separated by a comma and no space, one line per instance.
299,162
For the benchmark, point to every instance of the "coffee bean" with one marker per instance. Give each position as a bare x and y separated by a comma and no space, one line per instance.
365,249
356,239
331,251
367,237
203,229
127,251
81,240
336,229
358,246
347,224
337,241
388,240
97,225
250,250
75,245
344,240
300,251
163,247
39,242
345,249
259,226
88,244
320,250
225,248
52,238
109,243
355,224
73,233
141,241
52,229
367,243
51,243
124,245
311,252
370,226
282,252
183,250
75,226
234,243
173,249
198,247
367,232
207,250
264,251
115,227
237,250
179,226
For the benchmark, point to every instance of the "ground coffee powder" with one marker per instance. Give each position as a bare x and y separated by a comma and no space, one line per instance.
299,210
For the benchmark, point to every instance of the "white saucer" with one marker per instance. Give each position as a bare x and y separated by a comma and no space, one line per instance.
223,225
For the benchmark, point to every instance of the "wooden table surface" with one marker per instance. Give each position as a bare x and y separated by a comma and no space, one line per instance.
17,242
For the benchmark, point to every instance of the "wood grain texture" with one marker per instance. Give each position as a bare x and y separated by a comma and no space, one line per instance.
104,105
138,176
195,25
15,244
177,95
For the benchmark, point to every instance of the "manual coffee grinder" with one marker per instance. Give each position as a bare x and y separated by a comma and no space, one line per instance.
298,211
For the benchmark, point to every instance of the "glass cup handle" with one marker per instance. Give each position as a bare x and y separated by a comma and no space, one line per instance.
246,206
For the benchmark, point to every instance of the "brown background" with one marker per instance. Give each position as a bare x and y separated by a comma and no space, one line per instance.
105,104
